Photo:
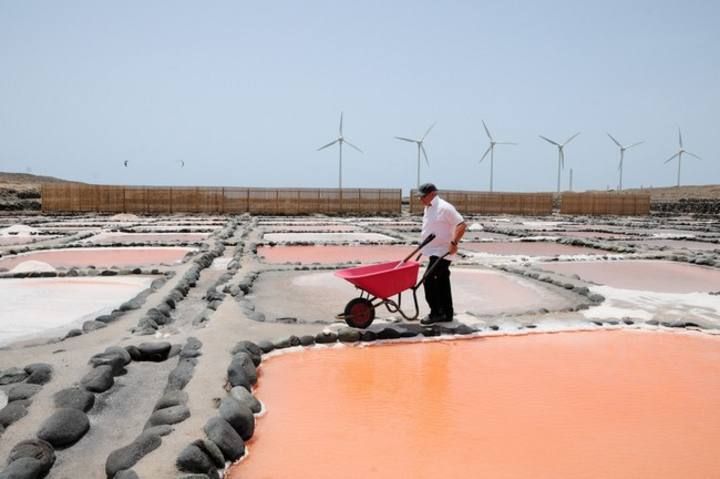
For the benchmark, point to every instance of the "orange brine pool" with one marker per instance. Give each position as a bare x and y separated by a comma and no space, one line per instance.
608,404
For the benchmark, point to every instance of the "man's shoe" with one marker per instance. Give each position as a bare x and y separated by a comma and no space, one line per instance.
430,319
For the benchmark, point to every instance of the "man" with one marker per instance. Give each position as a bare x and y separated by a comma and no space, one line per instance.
442,219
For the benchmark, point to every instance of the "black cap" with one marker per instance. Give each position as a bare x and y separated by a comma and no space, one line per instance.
426,188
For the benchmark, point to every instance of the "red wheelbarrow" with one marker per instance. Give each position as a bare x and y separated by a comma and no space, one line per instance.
378,283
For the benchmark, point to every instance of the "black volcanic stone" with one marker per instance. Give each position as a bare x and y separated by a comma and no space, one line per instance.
194,459
212,451
99,379
36,449
12,412
265,346
182,374
12,375
154,351
242,362
64,428
168,415
171,398
238,415
74,398
367,335
388,333
114,360
307,340
39,373
24,468
126,457
23,391
191,349
252,349
326,337
348,335
224,436
122,352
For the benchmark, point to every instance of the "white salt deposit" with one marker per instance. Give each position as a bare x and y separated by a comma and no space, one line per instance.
325,237
19,230
3,399
645,305
51,306
33,266
124,217
476,227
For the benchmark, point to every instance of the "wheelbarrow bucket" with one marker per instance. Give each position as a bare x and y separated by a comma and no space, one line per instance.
382,280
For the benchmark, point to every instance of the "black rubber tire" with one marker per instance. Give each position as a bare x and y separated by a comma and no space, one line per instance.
359,313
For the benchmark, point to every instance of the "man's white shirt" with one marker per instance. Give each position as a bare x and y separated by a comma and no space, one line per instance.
440,218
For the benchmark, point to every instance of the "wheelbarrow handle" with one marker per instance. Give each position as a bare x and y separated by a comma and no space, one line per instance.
428,239
431,268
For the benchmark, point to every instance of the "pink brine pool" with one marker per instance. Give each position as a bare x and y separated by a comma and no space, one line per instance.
108,238
591,405
332,254
529,248
100,257
658,276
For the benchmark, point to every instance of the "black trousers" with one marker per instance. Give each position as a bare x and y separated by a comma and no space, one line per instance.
437,288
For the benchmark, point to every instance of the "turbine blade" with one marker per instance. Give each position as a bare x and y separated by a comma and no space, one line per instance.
422,148
672,157
562,159
693,155
571,138
614,140
634,144
485,154
486,130
329,144
405,139
680,137
549,140
341,118
350,144
428,131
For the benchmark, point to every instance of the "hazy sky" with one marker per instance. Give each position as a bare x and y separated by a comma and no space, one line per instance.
245,92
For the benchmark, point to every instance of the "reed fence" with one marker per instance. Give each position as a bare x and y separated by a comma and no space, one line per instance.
475,202
627,204
78,198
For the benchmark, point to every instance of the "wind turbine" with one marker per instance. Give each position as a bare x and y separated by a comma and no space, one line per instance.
679,155
491,150
125,163
340,140
622,155
561,154
420,148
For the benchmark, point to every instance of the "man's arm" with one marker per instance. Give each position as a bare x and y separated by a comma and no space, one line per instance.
457,236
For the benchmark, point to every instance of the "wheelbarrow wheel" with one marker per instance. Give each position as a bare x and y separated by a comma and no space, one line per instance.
359,313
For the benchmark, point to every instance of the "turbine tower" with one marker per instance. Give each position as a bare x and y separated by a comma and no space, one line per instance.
340,140
420,148
622,155
561,154
491,150
679,155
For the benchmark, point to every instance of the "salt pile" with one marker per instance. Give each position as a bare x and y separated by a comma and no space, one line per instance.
32,266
